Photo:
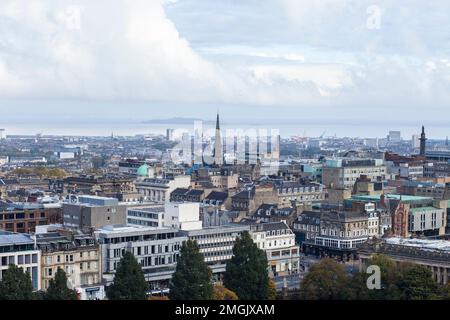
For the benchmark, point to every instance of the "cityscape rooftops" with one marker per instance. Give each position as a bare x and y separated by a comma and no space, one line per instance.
406,198
11,238
128,229
425,244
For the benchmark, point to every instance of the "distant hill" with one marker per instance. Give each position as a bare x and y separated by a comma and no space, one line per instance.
177,120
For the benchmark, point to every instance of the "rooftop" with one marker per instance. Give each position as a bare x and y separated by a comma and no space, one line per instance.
402,197
435,245
11,238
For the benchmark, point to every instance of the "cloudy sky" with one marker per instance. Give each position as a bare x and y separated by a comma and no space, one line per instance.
342,61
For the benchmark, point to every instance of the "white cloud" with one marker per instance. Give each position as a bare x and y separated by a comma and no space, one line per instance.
305,53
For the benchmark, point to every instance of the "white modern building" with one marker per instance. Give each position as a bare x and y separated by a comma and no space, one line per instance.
152,216
216,244
156,249
19,249
182,215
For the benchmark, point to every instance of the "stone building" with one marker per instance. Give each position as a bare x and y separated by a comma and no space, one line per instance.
24,217
78,255
301,193
332,233
278,241
247,201
113,186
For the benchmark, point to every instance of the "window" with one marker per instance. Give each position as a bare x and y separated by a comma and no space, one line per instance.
49,272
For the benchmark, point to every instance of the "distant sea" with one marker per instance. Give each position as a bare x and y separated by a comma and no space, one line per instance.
310,129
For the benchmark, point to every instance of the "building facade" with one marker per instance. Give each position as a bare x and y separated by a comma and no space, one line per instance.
19,249
159,189
216,245
278,241
78,255
156,249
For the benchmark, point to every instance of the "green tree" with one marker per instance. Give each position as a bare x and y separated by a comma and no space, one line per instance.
445,291
326,280
58,290
16,285
129,281
389,275
416,283
246,272
222,293
271,290
192,277
358,287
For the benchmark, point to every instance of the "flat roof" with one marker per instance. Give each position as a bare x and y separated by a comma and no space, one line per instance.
437,245
423,209
148,209
11,238
131,228
390,196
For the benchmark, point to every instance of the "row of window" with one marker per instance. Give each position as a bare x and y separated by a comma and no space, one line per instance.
296,190
21,259
21,215
142,214
284,253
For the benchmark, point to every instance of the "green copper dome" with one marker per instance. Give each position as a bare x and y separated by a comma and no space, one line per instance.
143,171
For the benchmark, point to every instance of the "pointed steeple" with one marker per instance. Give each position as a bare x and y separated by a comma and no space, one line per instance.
423,140
217,122
218,151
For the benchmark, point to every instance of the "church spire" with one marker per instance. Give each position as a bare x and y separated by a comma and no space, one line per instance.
217,122
218,151
423,140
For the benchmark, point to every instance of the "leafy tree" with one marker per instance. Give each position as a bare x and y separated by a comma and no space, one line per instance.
158,298
445,291
389,274
16,285
222,293
358,288
246,272
129,281
271,290
416,283
326,280
58,290
192,277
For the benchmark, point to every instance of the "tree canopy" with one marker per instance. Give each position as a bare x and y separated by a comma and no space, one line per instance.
129,281
399,281
16,285
326,280
58,290
192,277
222,293
246,273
